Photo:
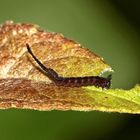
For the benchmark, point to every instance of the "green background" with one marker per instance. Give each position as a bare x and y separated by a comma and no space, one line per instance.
111,30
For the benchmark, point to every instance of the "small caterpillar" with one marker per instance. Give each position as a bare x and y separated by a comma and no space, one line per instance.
73,81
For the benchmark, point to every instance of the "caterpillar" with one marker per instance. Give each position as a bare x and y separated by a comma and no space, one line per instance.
72,81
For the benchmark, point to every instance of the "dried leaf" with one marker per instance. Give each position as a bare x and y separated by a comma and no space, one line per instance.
26,94
24,85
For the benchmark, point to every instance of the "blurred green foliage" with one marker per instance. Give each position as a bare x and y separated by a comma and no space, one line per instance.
97,25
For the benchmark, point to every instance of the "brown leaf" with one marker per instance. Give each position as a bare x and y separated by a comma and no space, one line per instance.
22,82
